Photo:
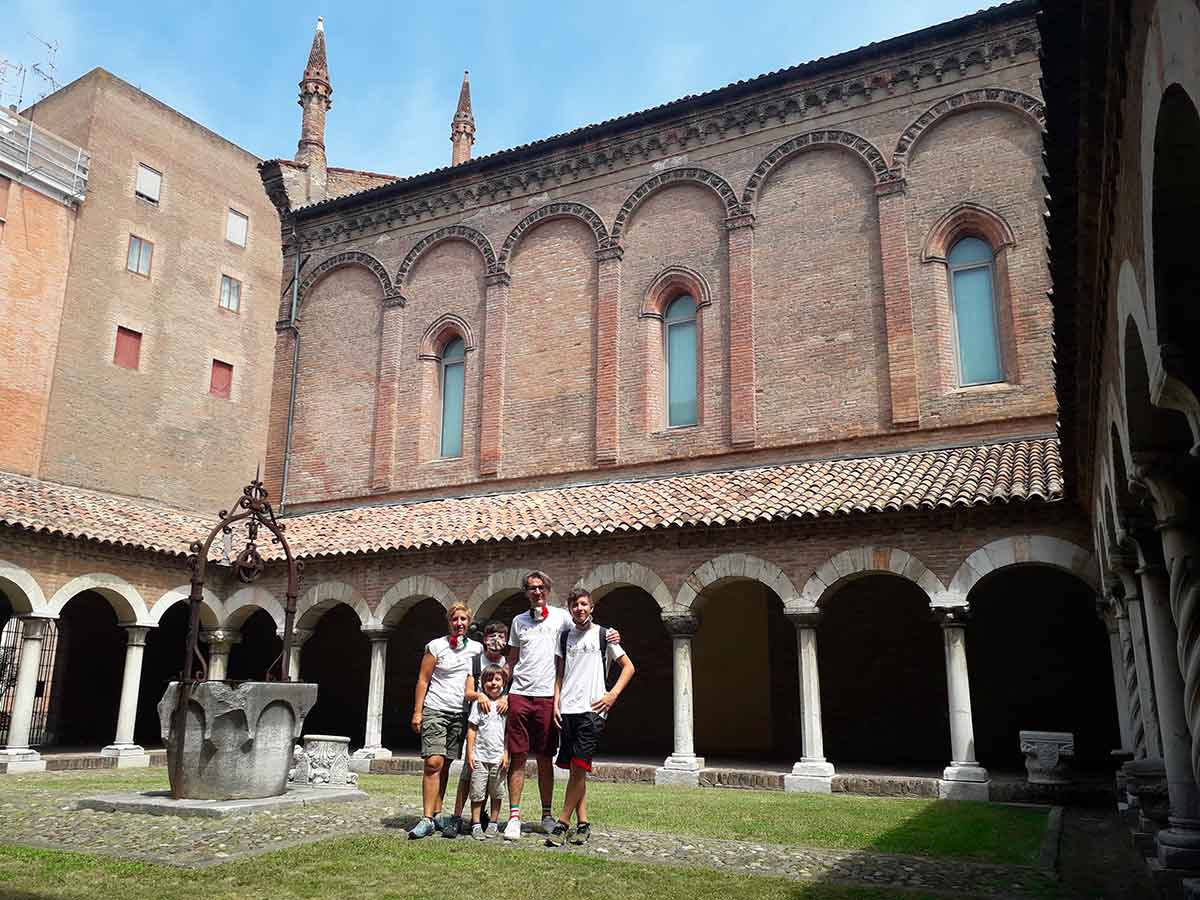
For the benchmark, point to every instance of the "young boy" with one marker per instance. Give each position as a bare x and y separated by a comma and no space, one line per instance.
486,757
495,648
581,704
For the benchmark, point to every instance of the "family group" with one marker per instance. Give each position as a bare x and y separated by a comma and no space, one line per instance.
541,686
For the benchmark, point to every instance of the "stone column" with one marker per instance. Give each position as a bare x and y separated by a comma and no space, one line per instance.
683,765
813,773
299,636
1179,844
964,778
742,388
18,755
1147,700
126,752
1111,613
373,743
491,425
220,643
608,354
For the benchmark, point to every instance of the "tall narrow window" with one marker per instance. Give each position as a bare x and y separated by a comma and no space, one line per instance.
680,353
220,382
141,252
972,292
149,183
453,385
231,294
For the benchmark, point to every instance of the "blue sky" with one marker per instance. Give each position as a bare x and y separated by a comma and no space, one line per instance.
536,68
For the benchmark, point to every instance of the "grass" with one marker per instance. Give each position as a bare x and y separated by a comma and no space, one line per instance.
388,867
978,832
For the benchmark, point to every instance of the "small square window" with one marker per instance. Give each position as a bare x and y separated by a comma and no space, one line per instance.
236,226
221,382
149,183
128,352
141,253
231,294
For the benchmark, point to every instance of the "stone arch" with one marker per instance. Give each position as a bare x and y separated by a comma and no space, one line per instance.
669,284
815,140
121,595
564,210
406,593
1158,414
247,601
1024,549
682,175
322,597
607,576
1026,105
965,219
860,561
472,236
441,331
737,565
506,580
347,258
212,610
22,590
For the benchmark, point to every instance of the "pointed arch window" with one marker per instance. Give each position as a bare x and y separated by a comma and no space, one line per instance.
973,298
453,372
680,353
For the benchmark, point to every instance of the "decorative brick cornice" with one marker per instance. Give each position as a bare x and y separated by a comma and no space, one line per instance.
585,214
814,140
472,236
768,109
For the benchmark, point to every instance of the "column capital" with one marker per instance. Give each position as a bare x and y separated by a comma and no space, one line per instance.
497,279
299,635
135,635
684,626
611,252
739,220
220,636
1163,479
952,616
394,301
378,632
33,628
892,184
808,618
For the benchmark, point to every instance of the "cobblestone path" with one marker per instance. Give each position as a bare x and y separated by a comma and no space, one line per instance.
41,812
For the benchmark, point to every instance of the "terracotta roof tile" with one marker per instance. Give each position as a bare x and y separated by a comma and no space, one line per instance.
966,476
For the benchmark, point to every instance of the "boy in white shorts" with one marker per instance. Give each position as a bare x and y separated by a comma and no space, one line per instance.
486,757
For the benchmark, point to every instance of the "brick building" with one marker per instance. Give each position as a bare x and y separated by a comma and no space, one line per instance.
769,369
1124,83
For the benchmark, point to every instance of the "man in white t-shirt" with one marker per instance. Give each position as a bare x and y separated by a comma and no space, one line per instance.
531,727
582,700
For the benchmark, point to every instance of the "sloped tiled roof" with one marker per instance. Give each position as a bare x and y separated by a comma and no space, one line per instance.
967,476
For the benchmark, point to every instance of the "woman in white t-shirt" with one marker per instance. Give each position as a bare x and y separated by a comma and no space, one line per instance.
438,709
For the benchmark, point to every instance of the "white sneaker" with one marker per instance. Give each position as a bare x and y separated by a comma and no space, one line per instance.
512,831
491,831
548,823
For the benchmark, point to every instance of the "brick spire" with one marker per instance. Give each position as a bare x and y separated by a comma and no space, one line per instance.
315,94
462,126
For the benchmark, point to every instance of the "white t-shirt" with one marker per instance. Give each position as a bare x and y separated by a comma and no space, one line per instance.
583,669
447,685
533,675
489,736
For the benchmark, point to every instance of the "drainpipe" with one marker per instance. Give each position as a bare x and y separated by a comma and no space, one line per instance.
291,416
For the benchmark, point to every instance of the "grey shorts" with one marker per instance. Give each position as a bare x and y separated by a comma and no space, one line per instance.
442,733
488,780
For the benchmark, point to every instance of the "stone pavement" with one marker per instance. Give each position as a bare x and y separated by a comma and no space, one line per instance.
40,811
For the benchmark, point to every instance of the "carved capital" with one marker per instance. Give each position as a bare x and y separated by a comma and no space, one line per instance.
378,633
684,626
299,635
739,220
33,628
952,616
394,301
805,619
1165,480
221,638
893,183
494,279
135,635
612,251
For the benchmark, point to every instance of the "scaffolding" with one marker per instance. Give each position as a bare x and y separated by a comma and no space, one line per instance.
38,158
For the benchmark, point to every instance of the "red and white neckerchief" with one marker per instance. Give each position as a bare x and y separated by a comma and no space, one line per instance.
545,612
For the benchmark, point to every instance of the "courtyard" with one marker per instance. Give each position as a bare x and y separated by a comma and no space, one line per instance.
657,841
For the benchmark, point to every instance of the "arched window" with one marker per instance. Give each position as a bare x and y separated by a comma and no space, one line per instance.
973,297
453,365
679,340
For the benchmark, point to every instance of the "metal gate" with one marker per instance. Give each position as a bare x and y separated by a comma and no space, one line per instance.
10,653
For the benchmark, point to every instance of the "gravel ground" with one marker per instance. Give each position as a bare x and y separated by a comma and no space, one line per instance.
39,811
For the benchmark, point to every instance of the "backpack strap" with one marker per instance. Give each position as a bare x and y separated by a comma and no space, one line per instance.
562,643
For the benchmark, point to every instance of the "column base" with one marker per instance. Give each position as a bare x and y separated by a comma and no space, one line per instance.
680,770
1179,844
964,782
18,760
810,776
128,756
360,759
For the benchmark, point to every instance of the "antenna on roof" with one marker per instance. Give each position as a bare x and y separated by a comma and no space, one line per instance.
15,72
48,71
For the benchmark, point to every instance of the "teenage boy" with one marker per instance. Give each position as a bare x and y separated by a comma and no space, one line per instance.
581,704
495,645
531,726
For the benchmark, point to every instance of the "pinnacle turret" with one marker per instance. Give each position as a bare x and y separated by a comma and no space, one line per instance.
315,93
462,126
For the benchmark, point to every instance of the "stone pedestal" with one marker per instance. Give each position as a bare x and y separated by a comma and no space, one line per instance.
1146,780
238,741
323,761
18,761
1048,756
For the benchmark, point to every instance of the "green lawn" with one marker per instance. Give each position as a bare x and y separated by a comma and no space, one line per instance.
979,832
391,867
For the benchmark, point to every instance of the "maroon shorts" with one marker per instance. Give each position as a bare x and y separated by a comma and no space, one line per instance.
531,727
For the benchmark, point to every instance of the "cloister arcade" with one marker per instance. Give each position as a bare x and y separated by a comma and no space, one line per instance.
871,661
